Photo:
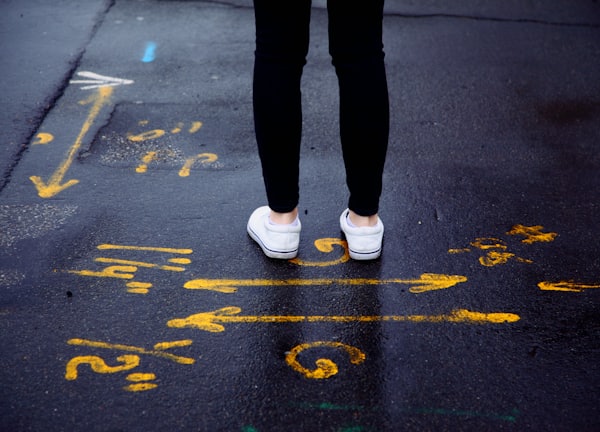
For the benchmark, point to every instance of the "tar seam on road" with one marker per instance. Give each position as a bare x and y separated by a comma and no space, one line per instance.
53,99
496,19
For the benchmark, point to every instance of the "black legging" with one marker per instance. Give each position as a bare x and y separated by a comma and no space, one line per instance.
356,48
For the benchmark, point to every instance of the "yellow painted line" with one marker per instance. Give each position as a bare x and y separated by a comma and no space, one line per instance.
140,376
173,344
566,286
139,264
144,248
180,260
55,184
134,349
138,287
426,282
141,285
140,387
213,321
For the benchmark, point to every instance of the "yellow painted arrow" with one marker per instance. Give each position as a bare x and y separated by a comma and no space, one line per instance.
212,321
426,282
567,286
55,184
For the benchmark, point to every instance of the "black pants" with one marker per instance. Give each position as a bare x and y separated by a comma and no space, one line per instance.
356,48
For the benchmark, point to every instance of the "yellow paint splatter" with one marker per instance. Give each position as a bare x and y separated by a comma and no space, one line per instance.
145,248
532,234
43,138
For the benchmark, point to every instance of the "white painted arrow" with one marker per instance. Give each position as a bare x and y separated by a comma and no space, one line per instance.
96,80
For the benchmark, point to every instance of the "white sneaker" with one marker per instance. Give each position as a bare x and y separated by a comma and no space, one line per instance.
364,243
276,241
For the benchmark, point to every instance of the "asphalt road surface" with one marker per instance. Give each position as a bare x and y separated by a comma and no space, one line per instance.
132,299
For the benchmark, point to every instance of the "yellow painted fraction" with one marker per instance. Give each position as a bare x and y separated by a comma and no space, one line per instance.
98,365
213,321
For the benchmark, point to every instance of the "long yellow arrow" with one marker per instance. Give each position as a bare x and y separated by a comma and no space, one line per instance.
212,321
426,282
568,286
55,184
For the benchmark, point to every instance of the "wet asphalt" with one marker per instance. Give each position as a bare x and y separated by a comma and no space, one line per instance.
131,297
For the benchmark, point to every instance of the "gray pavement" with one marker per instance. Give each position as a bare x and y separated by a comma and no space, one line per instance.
132,298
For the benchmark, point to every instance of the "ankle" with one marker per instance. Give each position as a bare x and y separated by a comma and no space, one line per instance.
362,221
283,218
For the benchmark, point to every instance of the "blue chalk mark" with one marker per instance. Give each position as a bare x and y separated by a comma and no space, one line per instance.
149,53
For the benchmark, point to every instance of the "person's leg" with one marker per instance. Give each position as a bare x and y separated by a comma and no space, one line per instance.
282,37
356,48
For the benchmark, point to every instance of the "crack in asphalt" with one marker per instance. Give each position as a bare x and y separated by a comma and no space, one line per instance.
54,98
237,5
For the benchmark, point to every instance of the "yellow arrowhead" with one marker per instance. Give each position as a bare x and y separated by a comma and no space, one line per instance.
432,282
52,188
205,320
